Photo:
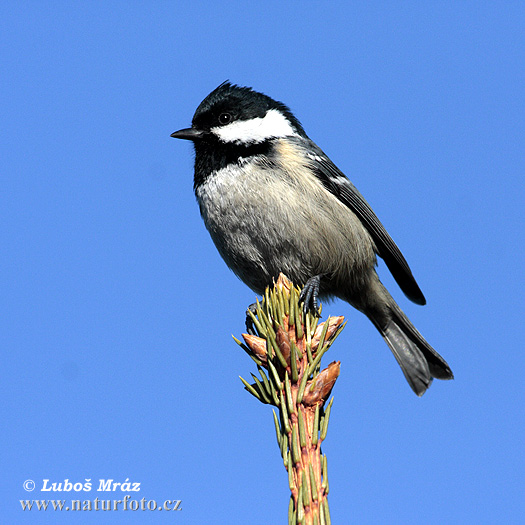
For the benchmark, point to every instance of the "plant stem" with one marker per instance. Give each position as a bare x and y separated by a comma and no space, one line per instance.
289,344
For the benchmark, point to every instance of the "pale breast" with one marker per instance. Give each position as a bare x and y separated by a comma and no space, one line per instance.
265,219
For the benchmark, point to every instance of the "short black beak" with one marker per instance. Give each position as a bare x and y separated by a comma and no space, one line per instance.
188,134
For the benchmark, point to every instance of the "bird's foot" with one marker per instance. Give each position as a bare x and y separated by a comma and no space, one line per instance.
309,295
250,327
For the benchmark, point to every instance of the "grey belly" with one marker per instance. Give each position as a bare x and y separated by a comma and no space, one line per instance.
261,228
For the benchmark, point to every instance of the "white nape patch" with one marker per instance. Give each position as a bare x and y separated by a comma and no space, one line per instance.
272,126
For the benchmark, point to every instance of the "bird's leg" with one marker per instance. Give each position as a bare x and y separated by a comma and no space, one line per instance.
309,295
250,328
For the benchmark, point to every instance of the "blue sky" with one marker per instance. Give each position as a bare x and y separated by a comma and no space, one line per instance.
117,311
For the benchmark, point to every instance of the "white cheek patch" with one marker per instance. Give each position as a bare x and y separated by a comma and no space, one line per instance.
272,125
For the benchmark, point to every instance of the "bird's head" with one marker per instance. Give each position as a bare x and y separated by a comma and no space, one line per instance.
238,116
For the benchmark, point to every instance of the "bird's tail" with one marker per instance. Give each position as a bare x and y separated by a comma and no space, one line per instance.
418,360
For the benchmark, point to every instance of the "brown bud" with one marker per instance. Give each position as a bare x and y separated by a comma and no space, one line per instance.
257,345
283,342
283,282
333,324
319,388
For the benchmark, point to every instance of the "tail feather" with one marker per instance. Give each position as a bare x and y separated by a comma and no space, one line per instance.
418,360
437,365
409,357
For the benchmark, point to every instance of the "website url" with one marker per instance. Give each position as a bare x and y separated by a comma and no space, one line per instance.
99,504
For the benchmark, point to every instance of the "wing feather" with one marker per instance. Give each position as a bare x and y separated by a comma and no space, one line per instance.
335,181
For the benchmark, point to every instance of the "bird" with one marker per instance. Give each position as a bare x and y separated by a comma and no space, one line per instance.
274,202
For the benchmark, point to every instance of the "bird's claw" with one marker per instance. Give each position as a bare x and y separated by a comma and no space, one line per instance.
250,327
309,295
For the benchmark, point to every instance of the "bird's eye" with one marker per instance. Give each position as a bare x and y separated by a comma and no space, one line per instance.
225,118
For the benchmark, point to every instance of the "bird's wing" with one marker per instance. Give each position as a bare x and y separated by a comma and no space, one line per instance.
335,181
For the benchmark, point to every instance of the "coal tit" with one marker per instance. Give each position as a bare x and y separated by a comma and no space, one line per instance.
273,202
